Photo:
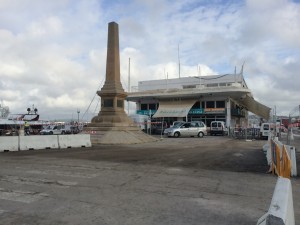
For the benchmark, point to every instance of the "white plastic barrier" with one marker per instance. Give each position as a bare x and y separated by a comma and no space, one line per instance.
292,153
38,142
9,143
74,141
281,211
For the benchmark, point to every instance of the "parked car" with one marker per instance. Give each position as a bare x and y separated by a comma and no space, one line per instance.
218,127
194,128
158,127
176,123
266,129
57,129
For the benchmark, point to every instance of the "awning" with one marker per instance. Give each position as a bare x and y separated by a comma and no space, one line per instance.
255,107
174,108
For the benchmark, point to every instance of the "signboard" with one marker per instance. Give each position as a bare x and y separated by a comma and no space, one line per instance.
196,111
145,112
215,111
176,111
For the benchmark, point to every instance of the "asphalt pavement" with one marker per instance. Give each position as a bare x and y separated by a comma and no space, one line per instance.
210,180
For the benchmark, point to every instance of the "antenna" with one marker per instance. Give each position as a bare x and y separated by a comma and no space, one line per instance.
242,69
178,62
235,74
199,75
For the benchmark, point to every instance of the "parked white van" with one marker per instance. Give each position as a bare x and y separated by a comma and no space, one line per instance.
218,127
266,129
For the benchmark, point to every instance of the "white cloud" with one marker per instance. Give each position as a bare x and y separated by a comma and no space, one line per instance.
53,53
48,27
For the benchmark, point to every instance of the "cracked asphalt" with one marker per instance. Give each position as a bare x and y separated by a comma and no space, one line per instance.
210,180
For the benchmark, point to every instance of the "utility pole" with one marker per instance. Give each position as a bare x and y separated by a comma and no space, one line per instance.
78,112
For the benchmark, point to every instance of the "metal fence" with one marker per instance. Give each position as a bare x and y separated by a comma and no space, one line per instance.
244,133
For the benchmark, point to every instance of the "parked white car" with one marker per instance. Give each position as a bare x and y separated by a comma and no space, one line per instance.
189,129
57,129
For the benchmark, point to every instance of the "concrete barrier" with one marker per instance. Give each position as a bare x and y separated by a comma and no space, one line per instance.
281,211
9,143
74,141
38,142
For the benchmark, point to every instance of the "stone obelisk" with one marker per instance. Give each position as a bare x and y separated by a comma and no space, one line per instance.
112,125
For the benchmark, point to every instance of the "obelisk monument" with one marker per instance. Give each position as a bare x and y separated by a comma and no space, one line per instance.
112,125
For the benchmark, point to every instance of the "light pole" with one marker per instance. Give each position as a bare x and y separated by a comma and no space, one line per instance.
78,112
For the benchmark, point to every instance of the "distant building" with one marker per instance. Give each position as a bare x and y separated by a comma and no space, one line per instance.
207,98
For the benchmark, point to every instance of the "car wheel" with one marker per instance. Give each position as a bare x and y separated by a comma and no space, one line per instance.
62,132
50,132
200,134
176,134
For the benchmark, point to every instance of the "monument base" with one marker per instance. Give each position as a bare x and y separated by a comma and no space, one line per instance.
117,135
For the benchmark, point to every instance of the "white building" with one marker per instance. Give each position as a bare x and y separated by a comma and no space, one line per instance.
207,98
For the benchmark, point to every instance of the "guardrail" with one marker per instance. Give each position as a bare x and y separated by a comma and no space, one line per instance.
244,133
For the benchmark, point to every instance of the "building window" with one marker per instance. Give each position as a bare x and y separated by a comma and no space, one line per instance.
210,104
144,106
220,104
108,103
196,105
120,103
188,86
212,85
152,106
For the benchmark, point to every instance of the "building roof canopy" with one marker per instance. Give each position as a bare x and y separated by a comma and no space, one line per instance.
174,108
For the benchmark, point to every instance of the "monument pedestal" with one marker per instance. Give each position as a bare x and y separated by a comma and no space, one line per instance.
118,135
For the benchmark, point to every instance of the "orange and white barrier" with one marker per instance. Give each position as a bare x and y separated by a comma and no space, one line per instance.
280,157
294,125
283,159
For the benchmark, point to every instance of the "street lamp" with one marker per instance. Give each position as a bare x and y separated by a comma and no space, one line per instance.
292,112
78,112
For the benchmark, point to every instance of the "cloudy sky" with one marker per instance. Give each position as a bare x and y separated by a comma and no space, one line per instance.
53,53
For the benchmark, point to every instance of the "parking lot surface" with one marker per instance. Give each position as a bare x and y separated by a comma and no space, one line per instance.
210,180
